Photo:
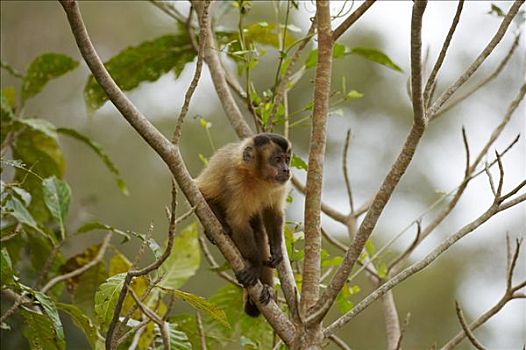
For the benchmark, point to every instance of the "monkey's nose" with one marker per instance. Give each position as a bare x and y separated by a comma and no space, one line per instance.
286,171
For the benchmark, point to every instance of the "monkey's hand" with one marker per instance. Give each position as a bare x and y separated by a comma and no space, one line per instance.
267,293
274,260
248,276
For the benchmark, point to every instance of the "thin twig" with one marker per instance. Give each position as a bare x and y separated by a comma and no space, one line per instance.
203,23
431,81
200,330
428,259
402,332
439,102
353,17
154,317
492,76
214,264
346,170
81,269
339,342
466,329
169,9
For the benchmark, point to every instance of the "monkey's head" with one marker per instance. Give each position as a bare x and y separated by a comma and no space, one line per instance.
268,155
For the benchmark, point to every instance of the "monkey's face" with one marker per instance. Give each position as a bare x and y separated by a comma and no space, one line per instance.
278,166
269,155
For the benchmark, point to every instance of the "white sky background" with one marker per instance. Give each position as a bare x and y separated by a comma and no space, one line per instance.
484,283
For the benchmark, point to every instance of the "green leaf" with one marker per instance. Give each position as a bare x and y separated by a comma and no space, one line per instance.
82,321
201,304
42,157
106,299
50,309
97,148
178,339
495,10
298,163
6,115
44,68
40,125
266,34
84,292
39,330
57,196
6,268
16,208
338,51
353,94
147,61
184,260
375,56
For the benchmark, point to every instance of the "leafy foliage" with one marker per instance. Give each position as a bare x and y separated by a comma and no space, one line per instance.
44,68
147,61
178,268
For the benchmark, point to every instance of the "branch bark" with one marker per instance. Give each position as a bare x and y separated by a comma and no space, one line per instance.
318,139
432,111
391,180
353,17
172,157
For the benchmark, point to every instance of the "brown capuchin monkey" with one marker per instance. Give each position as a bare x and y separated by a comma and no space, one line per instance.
246,185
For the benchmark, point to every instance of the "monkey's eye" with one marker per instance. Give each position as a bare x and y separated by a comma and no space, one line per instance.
277,159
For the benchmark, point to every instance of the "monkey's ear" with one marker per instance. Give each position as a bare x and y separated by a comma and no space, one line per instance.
248,153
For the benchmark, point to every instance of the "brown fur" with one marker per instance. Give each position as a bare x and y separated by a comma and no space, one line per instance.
242,185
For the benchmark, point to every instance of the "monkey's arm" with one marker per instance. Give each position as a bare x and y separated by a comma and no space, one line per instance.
273,220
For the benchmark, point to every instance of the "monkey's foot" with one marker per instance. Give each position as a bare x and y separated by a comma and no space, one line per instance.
248,276
273,261
267,293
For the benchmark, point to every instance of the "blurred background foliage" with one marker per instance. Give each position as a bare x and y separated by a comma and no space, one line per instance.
377,109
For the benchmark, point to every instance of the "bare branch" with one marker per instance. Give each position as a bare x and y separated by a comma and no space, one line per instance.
214,264
416,63
82,269
328,210
409,249
353,17
200,330
431,81
154,317
203,23
346,170
411,270
490,179
318,139
169,9
432,111
495,74
219,79
339,342
406,324
466,329
389,184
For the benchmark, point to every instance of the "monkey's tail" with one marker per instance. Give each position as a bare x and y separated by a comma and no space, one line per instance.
250,308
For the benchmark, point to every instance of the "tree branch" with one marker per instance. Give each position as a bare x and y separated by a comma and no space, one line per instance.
353,17
318,139
492,76
431,81
466,329
420,265
172,157
203,23
389,184
432,111
219,79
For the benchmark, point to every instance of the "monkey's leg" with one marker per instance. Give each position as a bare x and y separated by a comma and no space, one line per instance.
245,240
273,220
267,274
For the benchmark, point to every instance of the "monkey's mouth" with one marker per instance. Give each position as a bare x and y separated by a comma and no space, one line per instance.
282,178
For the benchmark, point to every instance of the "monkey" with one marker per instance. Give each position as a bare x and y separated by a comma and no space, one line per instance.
246,185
